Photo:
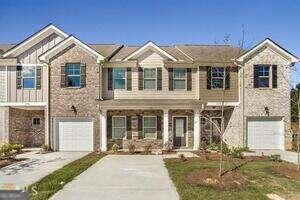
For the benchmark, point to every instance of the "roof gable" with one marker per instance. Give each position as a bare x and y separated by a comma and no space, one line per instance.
66,43
269,43
34,39
149,45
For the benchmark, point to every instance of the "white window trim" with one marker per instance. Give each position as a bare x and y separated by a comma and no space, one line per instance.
185,79
269,78
35,125
211,79
113,85
112,121
150,78
67,75
150,127
29,65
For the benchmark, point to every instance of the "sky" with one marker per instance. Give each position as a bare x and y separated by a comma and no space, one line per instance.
165,22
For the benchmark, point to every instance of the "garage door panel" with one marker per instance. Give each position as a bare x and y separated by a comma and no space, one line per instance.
76,136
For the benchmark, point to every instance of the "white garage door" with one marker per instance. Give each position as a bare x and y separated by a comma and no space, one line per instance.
75,136
264,133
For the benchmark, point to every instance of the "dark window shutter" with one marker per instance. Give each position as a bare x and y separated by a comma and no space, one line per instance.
82,74
129,79
255,77
208,82
63,76
170,70
109,127
189,79
128,128
38,77
227,78
274,76
159,78
110,79
140,126
19,77
141,78
158,127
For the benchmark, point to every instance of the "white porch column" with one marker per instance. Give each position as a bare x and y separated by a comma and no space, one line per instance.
166,126
103,118
196,129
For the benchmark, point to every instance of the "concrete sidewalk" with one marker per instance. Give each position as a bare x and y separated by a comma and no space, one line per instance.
122,177
36,167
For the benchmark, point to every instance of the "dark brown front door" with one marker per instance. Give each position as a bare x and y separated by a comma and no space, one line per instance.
179,124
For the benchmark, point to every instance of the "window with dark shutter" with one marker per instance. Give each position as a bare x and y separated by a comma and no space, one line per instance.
170,71
38,77
128,128
19,77
158,127
274,76
261,76
227,78
110,79
82,75
141,77
109,127
63,76
208,80
140,127
129,79
189,79
159,79
255,77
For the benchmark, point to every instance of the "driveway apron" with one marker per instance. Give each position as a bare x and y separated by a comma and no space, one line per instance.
122,177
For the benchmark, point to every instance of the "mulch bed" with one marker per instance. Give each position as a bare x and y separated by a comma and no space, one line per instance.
210,177
9,161
287,171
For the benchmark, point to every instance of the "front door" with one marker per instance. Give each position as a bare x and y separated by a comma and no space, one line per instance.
179,124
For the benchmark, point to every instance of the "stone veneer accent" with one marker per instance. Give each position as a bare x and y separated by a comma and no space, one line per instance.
84,99
21,130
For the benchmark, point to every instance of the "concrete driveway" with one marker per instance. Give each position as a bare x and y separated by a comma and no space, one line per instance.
122,177
35,167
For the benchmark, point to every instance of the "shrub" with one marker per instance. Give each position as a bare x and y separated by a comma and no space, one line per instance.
131,148
182,157
236,152
203,144
6,150
168,146
17,147
275,158
115,148
147,148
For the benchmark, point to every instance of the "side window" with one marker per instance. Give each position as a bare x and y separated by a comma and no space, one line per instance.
149,127
29,77
118,127
73,75
119,78
149,78
36,121
217,75
179,79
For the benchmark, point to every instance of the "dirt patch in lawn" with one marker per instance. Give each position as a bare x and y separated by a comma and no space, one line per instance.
9,161
287,171
210,177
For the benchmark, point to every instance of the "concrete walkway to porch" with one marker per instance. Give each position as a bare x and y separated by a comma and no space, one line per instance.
122,177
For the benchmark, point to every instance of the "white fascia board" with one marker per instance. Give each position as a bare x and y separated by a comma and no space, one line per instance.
148,45
54,28
270,42
220,103
23,104
68,41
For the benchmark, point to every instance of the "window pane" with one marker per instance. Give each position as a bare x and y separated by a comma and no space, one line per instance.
217,71
29,83
179,73
28,72
73,69
119,83
217,83
150,122
119,73
263,82
149,133
119,122
74,81
118,133
149,83
263,71
149,73
179,84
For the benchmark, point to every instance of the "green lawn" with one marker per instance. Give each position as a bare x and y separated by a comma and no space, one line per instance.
55,181
260,180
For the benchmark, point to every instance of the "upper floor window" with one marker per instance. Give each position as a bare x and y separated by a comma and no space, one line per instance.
149,127
149,78
263,76
73,75
179,78
119,78
217,76
29,77
118,127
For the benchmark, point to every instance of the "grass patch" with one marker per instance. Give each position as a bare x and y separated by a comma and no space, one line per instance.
260,180
49,185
